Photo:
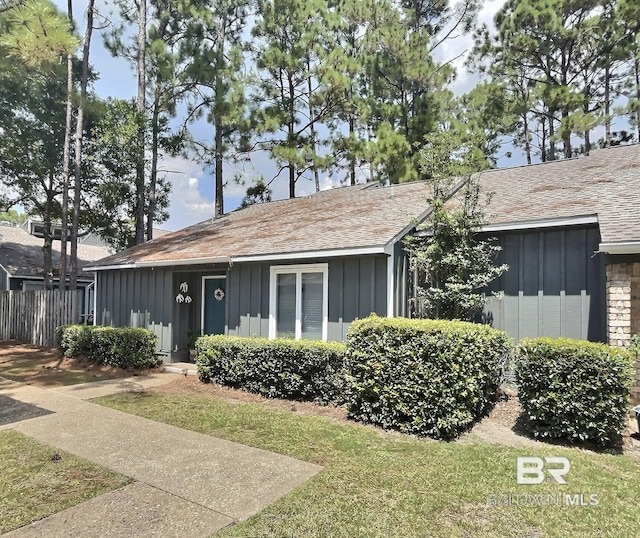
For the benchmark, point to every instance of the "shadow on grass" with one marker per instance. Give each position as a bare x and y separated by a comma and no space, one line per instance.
525,428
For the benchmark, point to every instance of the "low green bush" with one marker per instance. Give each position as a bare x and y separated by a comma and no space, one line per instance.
573,390
73,340
425,377
124,347
293,369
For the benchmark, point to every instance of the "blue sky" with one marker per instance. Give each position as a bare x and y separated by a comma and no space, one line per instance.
192,194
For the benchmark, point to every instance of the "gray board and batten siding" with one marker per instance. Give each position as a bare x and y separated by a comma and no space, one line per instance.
555,285
147,297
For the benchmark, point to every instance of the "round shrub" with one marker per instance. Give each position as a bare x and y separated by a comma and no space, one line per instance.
573,390
124,347
425,377
73,340
293,369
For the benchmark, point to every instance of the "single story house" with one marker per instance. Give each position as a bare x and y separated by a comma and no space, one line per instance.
307,267
21,261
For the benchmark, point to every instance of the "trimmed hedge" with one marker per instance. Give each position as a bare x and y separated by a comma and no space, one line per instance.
293,369
124,347
433,378
573,390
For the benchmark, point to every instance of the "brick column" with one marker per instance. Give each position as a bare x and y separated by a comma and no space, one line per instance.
623,309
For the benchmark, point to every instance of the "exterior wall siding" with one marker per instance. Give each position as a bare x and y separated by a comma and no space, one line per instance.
147,297
136,297
555,285
357,287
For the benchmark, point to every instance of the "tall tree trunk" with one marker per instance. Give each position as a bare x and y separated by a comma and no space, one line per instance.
153,180
77,187
527,143
636,68
585,111
219,209
316,176
543,139
352,157
48,239
218,123
607,104
566,135
66,163
292,141
141,108
292,180
552,143
587,141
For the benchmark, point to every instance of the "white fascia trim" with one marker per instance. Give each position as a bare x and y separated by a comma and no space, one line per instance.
626,247
389,250
190,261
93,268
542,223
6,270
160,263
333,253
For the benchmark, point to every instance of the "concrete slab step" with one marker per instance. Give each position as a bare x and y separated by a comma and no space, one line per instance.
184,368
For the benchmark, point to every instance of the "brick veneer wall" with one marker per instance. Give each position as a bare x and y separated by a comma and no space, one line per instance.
623,309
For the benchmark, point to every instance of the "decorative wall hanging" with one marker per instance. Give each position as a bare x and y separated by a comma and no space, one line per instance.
182,296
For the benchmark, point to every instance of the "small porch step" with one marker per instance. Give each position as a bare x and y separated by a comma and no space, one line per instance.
184,368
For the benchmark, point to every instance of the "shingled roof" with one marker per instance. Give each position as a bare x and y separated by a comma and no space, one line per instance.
21,253
605,184
361,217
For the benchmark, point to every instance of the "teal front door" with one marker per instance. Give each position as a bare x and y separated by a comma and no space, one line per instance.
214,305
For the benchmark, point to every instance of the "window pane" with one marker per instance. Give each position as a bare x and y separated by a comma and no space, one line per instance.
312,306
286,306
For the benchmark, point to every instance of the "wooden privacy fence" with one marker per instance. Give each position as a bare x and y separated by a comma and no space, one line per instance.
32,316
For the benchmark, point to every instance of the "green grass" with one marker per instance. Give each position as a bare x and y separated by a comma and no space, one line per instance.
32,486
386,485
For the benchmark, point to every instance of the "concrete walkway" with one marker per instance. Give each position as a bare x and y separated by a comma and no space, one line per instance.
187,484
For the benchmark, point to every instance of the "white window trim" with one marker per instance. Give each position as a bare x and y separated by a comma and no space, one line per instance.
298,270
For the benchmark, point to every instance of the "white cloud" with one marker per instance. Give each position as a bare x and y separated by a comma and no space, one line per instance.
456,50
186,203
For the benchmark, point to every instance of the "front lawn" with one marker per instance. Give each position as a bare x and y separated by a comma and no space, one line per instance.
378,484
33,485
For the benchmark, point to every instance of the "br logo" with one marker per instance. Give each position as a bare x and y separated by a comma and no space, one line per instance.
531,470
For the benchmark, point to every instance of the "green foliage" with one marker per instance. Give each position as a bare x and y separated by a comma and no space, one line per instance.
425,377
293,369
37,34
561,66
258,193
112,160
73,340
124,347
573,390
452,263
13,217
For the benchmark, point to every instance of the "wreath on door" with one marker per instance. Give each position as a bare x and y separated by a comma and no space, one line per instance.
219,294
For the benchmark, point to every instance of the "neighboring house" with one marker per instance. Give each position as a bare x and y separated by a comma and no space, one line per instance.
307,267
21,261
